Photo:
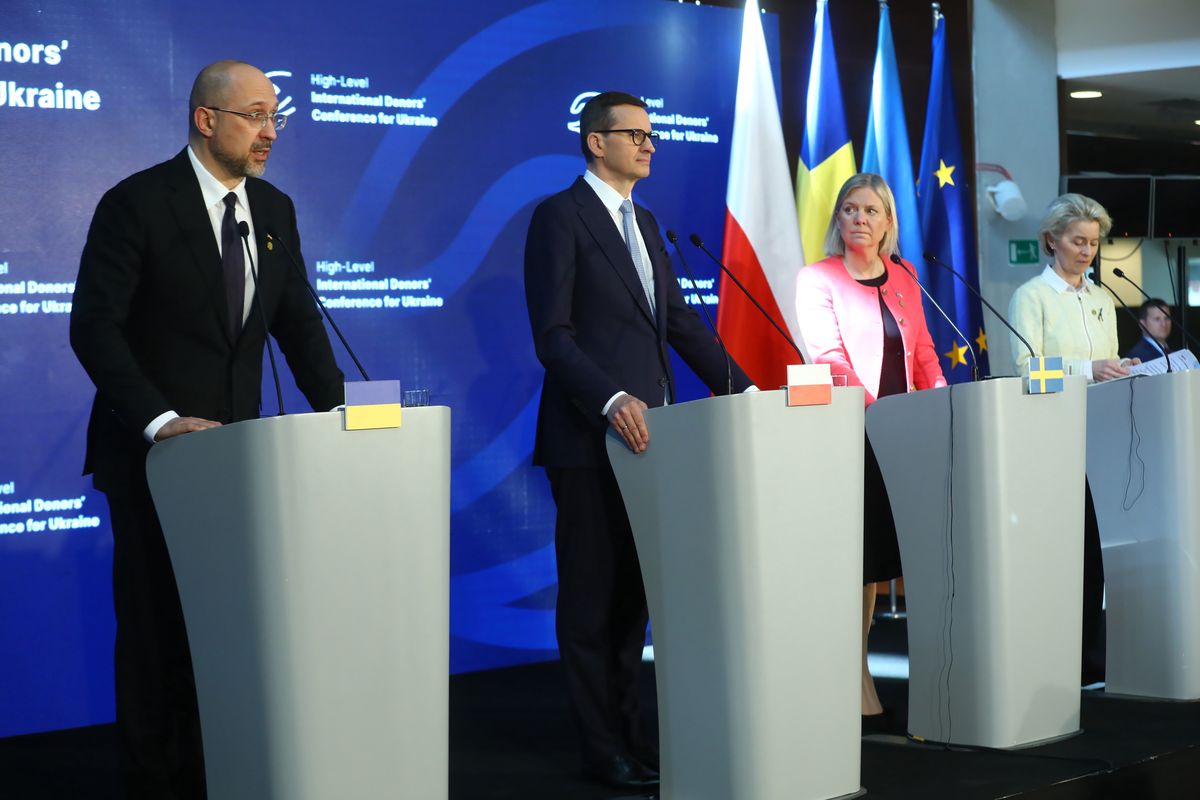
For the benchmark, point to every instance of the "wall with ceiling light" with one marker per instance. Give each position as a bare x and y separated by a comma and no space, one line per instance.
1016,125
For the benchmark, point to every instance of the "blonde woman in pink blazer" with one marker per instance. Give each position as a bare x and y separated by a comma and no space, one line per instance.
861,313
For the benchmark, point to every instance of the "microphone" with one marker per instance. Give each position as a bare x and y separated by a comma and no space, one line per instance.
1120,273
934,259
1129,311
271,237
696,240
674,240
899,262
244,232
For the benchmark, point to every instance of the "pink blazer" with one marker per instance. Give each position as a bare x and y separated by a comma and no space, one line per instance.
842,326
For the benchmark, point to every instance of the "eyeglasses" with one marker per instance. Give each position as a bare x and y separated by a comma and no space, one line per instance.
257,117
637,135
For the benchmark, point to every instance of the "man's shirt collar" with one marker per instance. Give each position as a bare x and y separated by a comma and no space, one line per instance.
212,189
609,196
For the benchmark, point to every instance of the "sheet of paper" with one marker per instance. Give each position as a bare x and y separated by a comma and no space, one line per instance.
1181,360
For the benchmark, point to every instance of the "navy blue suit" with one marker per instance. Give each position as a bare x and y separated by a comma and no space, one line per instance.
1144,350
595,334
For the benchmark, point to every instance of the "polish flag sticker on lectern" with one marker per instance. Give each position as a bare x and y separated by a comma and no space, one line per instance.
809,385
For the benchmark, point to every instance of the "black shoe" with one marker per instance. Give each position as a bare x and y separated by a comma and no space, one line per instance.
621,772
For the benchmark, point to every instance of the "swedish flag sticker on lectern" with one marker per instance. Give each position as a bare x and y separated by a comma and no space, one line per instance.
371,405
1046,375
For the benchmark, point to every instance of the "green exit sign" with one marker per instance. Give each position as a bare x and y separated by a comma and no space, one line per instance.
1023,251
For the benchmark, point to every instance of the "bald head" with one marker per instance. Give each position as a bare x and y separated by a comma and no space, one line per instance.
231,129
216,83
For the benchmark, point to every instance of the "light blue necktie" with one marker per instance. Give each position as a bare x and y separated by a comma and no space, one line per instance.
635,252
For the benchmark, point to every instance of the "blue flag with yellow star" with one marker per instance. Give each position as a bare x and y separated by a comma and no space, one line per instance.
946,201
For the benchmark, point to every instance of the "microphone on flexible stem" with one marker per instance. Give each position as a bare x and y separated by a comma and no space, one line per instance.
1129,311
935,260
899,262
244,232
674,240
271,237
696,240
1120,273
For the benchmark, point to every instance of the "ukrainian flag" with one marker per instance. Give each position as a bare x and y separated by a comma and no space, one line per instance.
826,156
886,150
1046,375
372,404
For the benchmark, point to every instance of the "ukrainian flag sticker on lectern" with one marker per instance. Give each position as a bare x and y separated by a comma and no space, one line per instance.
371,405
1046,375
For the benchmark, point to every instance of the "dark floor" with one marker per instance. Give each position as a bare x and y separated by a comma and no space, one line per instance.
511,737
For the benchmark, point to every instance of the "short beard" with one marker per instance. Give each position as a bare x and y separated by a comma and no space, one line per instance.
242,166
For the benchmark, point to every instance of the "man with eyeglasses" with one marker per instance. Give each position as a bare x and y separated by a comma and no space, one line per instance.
603,305
166,324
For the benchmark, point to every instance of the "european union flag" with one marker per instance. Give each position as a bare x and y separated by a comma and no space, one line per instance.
886,150
1046,375
946,201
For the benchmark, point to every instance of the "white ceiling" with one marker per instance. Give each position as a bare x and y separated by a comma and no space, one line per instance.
1143,54
1108,37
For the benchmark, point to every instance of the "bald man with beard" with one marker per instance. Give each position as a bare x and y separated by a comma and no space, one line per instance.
166,325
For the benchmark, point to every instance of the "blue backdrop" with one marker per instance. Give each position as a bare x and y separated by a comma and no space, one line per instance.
419,139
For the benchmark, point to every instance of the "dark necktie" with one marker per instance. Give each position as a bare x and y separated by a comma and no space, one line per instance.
233,263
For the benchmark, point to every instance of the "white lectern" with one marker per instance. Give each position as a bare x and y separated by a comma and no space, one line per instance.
313,567
1143,462
747,516
986,486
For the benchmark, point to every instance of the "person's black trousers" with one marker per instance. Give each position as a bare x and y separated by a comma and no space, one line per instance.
158,720
1092,666
601,614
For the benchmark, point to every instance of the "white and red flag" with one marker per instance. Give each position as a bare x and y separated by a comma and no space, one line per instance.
762,233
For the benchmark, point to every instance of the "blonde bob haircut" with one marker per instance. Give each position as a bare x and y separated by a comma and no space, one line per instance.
1067,209
834,246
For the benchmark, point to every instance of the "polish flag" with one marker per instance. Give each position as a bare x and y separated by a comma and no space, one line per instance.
762,233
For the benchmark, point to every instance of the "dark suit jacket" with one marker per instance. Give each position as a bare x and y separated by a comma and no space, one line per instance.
592,326
148,321
1144,350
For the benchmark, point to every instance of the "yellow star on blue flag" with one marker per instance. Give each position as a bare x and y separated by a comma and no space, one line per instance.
957,355
944,174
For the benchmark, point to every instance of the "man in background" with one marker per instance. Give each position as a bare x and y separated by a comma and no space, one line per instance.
1154,317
